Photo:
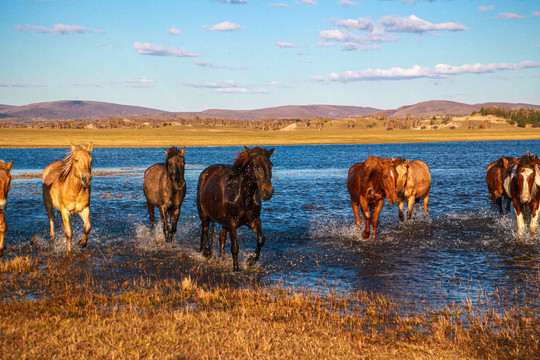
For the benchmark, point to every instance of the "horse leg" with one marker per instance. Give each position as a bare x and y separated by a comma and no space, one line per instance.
234,246
165,220
426,201
376,213
410,206
68,233
151,214
534,218
498,201
206,246
519,218
174,223
85,216
222,240
508,202
367,216
256,226
355,209
3,230
50,214
400,208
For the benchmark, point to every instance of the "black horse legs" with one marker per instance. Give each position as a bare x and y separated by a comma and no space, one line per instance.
206,242
257,229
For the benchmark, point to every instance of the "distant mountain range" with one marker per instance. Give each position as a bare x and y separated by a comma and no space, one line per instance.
63,110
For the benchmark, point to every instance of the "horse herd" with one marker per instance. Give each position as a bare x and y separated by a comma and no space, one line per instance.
231,195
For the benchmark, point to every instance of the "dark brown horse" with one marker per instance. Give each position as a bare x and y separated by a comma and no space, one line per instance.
231,196
66,187
494,181
5,182
164,186
369,183
413,182
521,183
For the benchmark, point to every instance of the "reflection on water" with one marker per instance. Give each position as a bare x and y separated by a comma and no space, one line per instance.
458,250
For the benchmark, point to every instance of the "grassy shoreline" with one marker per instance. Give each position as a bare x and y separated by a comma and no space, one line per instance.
185,317
228,136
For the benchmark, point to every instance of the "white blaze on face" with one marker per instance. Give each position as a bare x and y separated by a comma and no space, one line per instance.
525,195
537,175
508,180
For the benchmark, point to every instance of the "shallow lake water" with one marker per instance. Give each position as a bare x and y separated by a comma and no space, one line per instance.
460,250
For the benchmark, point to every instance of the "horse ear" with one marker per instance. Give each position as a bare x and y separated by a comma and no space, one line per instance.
90,147
10,165
270,152
73,147
166,152
183,151
247,150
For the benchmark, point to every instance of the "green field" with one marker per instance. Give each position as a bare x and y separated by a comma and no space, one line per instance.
334,132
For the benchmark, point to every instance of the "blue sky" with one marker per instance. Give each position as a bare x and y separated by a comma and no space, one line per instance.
192,55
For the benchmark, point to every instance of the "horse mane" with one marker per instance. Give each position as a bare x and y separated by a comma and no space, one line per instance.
371,168
67,163
173,151
243,158
3,165
527,159
400,161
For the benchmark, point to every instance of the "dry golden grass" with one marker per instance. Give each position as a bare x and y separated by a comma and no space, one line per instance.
333,132
181,319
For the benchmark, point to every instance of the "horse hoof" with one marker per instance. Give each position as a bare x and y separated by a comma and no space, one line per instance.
207,254
365,235
1,252
252,261
82,244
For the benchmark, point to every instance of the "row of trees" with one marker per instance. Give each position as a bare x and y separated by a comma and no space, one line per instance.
521,117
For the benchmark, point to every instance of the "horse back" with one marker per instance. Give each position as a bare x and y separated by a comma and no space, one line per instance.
51,174
422,177
153,183
494,177
353,181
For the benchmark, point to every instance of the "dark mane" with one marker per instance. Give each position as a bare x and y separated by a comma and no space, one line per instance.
526,159
65,168
243,157
400,161
173,151
371,168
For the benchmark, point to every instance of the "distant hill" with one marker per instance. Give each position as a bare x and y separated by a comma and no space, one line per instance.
59,110
289,111
442,107
62,110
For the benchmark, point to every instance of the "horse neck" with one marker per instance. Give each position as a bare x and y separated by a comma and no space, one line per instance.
73,181
245,178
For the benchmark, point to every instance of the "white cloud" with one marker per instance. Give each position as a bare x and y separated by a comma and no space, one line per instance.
347,3
209,65
160,50
232,1
536,13
413,24
58,29
174,31
509,16
228,86
281,45
224,26
279,5
484,9
417,72
142,82
348,37
17,85
309,2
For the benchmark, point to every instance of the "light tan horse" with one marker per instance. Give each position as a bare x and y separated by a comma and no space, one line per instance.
5,182
66,186
413,182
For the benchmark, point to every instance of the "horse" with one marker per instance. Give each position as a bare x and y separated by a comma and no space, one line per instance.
494,180
231,196
369,183
66,187
521,183
164,186
5,182
413,182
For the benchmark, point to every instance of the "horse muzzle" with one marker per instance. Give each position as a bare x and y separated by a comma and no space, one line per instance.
178,186
524,199
86,181
267,192
3,207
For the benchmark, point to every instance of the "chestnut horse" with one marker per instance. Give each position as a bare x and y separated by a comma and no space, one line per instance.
369,183
494,180
164,186
521,183
5,182
231,196
66,187
413,183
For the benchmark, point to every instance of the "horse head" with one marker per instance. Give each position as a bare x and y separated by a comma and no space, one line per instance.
402,170
5,182
79,161
175,165
526,177
388,178
259,160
